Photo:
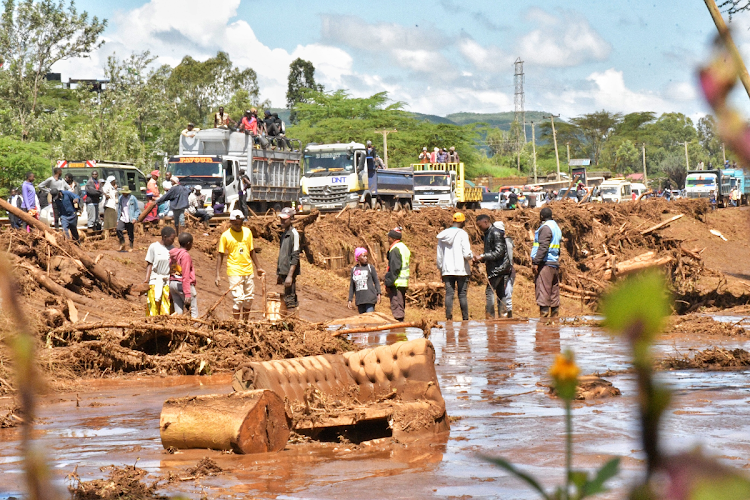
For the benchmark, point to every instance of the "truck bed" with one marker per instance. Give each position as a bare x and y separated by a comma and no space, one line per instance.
391,181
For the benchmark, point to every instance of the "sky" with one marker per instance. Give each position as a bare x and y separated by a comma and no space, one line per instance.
439,57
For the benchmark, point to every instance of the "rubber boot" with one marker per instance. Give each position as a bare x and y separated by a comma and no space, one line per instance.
554,312
544,312
510,314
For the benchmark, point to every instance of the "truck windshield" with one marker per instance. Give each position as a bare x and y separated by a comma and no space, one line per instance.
333,162
431,180
609,190
201,167
700,182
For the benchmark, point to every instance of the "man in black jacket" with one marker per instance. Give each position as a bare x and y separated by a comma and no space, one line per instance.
287,269
93,190
496,259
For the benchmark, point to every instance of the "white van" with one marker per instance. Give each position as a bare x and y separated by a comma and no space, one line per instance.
615,190
637,189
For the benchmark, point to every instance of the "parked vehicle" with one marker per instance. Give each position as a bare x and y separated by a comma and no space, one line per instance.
615,190
567,194
490,201
444,185
737,178
219,157
337,176
126,174
637,189
700,183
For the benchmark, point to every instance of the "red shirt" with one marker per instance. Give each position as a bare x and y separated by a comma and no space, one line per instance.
181,269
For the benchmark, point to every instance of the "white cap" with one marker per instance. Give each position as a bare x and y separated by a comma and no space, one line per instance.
236,215
111,178
499,224
197,188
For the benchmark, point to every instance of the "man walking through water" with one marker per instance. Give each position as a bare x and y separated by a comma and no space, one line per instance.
453,259
397,275
287,268
496,260
545,260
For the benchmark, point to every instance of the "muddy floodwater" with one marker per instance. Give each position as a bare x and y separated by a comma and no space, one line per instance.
489,375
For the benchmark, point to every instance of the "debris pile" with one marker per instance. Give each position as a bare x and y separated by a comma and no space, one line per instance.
710,359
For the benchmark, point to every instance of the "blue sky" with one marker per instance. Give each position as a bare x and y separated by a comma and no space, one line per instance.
441,56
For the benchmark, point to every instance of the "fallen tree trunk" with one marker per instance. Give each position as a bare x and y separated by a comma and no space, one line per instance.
146,210
243,422
54,288
390,326
661,224
638,263
97,271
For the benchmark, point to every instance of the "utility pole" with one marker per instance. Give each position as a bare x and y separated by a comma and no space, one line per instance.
533,148
520,114
645,175
567,145
687,159
723,154
385,144
554,136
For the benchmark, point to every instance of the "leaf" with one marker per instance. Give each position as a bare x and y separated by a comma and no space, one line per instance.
521,475
638,306
596,485
578,478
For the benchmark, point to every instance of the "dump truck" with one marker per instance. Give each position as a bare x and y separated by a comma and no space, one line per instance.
338,176
737,178
219,158
700,183
444,185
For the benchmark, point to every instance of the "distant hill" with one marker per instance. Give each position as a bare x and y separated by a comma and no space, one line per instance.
433,118
499,120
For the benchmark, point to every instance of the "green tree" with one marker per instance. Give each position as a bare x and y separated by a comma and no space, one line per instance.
34,35
200,87
627,158
18,157
594,129
301,76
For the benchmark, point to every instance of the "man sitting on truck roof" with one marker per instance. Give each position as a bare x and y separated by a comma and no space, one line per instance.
190,131
452,155
222,120
249,126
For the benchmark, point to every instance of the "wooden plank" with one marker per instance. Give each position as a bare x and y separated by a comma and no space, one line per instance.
662,224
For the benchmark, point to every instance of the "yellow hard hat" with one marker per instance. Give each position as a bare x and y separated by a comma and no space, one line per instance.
459,217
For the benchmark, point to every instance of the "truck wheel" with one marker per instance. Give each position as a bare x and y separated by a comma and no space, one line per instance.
277,207
397,206
378,206
406,206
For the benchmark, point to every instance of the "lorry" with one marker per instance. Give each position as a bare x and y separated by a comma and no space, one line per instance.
615,190
444,185
338,175
700,184
220,158
126,174
737,178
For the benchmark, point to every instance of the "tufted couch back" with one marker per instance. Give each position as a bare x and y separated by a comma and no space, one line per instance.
407,367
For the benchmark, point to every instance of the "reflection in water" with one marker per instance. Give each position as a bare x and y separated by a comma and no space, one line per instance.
547,338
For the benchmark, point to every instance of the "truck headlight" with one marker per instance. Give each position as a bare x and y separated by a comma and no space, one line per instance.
353,196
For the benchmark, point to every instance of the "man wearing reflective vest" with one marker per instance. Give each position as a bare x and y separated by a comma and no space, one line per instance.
397,275
545,259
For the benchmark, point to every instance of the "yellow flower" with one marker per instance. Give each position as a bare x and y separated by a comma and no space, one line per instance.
564,369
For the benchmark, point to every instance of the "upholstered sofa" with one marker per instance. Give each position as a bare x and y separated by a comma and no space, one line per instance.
393,384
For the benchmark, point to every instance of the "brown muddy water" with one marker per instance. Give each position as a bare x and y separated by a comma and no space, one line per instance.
489,376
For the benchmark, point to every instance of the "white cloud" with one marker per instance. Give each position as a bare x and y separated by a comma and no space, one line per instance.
491,59
357,33
564,41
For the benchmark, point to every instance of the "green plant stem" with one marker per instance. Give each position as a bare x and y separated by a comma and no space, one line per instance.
568,446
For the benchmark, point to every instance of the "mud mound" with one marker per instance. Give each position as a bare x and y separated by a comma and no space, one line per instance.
705,325
123,482
709,359
175,345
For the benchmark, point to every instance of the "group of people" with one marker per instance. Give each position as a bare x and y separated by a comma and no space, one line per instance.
269,130
454,260
439,155
171,276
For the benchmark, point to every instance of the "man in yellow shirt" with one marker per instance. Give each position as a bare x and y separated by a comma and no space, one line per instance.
236,244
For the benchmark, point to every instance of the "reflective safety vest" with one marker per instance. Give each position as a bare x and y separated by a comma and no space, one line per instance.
553,254
402,280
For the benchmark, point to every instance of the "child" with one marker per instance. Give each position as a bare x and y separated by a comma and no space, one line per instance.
364,284
157,273
182,277
712,200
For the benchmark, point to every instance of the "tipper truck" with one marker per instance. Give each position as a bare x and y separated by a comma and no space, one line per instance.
700,183
444,185
219,157
338,175
737,178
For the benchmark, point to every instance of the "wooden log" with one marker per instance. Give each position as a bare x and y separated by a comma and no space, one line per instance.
54,288
638,263
97,271
390,326
662,224
243,422
146,210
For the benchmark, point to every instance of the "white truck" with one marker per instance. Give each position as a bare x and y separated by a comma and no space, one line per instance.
700,184
615,190
444,185
219,158
338,176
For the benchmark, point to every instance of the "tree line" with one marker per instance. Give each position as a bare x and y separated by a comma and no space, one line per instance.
137,115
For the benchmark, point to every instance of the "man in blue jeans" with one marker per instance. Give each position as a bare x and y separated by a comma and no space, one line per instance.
454,261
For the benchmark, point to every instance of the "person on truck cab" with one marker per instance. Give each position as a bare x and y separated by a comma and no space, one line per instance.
434,155
249,126
370,155
190,131
222,120
424,156
452,155
379,163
